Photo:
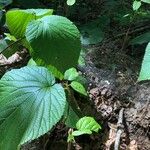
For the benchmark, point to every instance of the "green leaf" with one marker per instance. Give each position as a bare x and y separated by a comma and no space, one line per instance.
136,5
88,123
146,1
10,37
17,20
31,62
4,3
51,68
55,72
145,69
81,60
144,38
71,74
71,2
78,87
30,104
55,40
70,138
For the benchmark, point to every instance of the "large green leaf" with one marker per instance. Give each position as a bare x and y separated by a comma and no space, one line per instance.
17,20
55,40
30,104
145,69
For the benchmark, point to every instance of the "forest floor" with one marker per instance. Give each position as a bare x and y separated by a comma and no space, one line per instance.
117,101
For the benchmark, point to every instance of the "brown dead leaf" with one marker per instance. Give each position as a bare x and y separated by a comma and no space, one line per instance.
3,59
112,136
133,145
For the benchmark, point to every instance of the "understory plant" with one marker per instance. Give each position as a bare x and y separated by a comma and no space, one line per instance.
32,101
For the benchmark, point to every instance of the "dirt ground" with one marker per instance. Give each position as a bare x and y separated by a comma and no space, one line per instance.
117,101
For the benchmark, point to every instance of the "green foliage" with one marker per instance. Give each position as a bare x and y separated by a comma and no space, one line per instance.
50,38
146,1
136,5
55,72
37,102
78,87
31,103
71,2
54,39
85,125
88,123
17,20
71,74
31,62
145,71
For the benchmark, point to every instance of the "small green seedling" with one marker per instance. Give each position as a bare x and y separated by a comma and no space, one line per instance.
72,75
85,125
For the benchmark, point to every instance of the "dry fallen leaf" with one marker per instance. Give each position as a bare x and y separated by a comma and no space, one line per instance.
133,145
112,136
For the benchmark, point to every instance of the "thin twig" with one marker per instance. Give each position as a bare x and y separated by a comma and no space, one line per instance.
120,129
69,146
132,31
17,41
125,39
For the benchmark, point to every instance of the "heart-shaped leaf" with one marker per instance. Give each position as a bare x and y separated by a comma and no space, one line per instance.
136,5
30,104
88,123
71,74
55,41
17,20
